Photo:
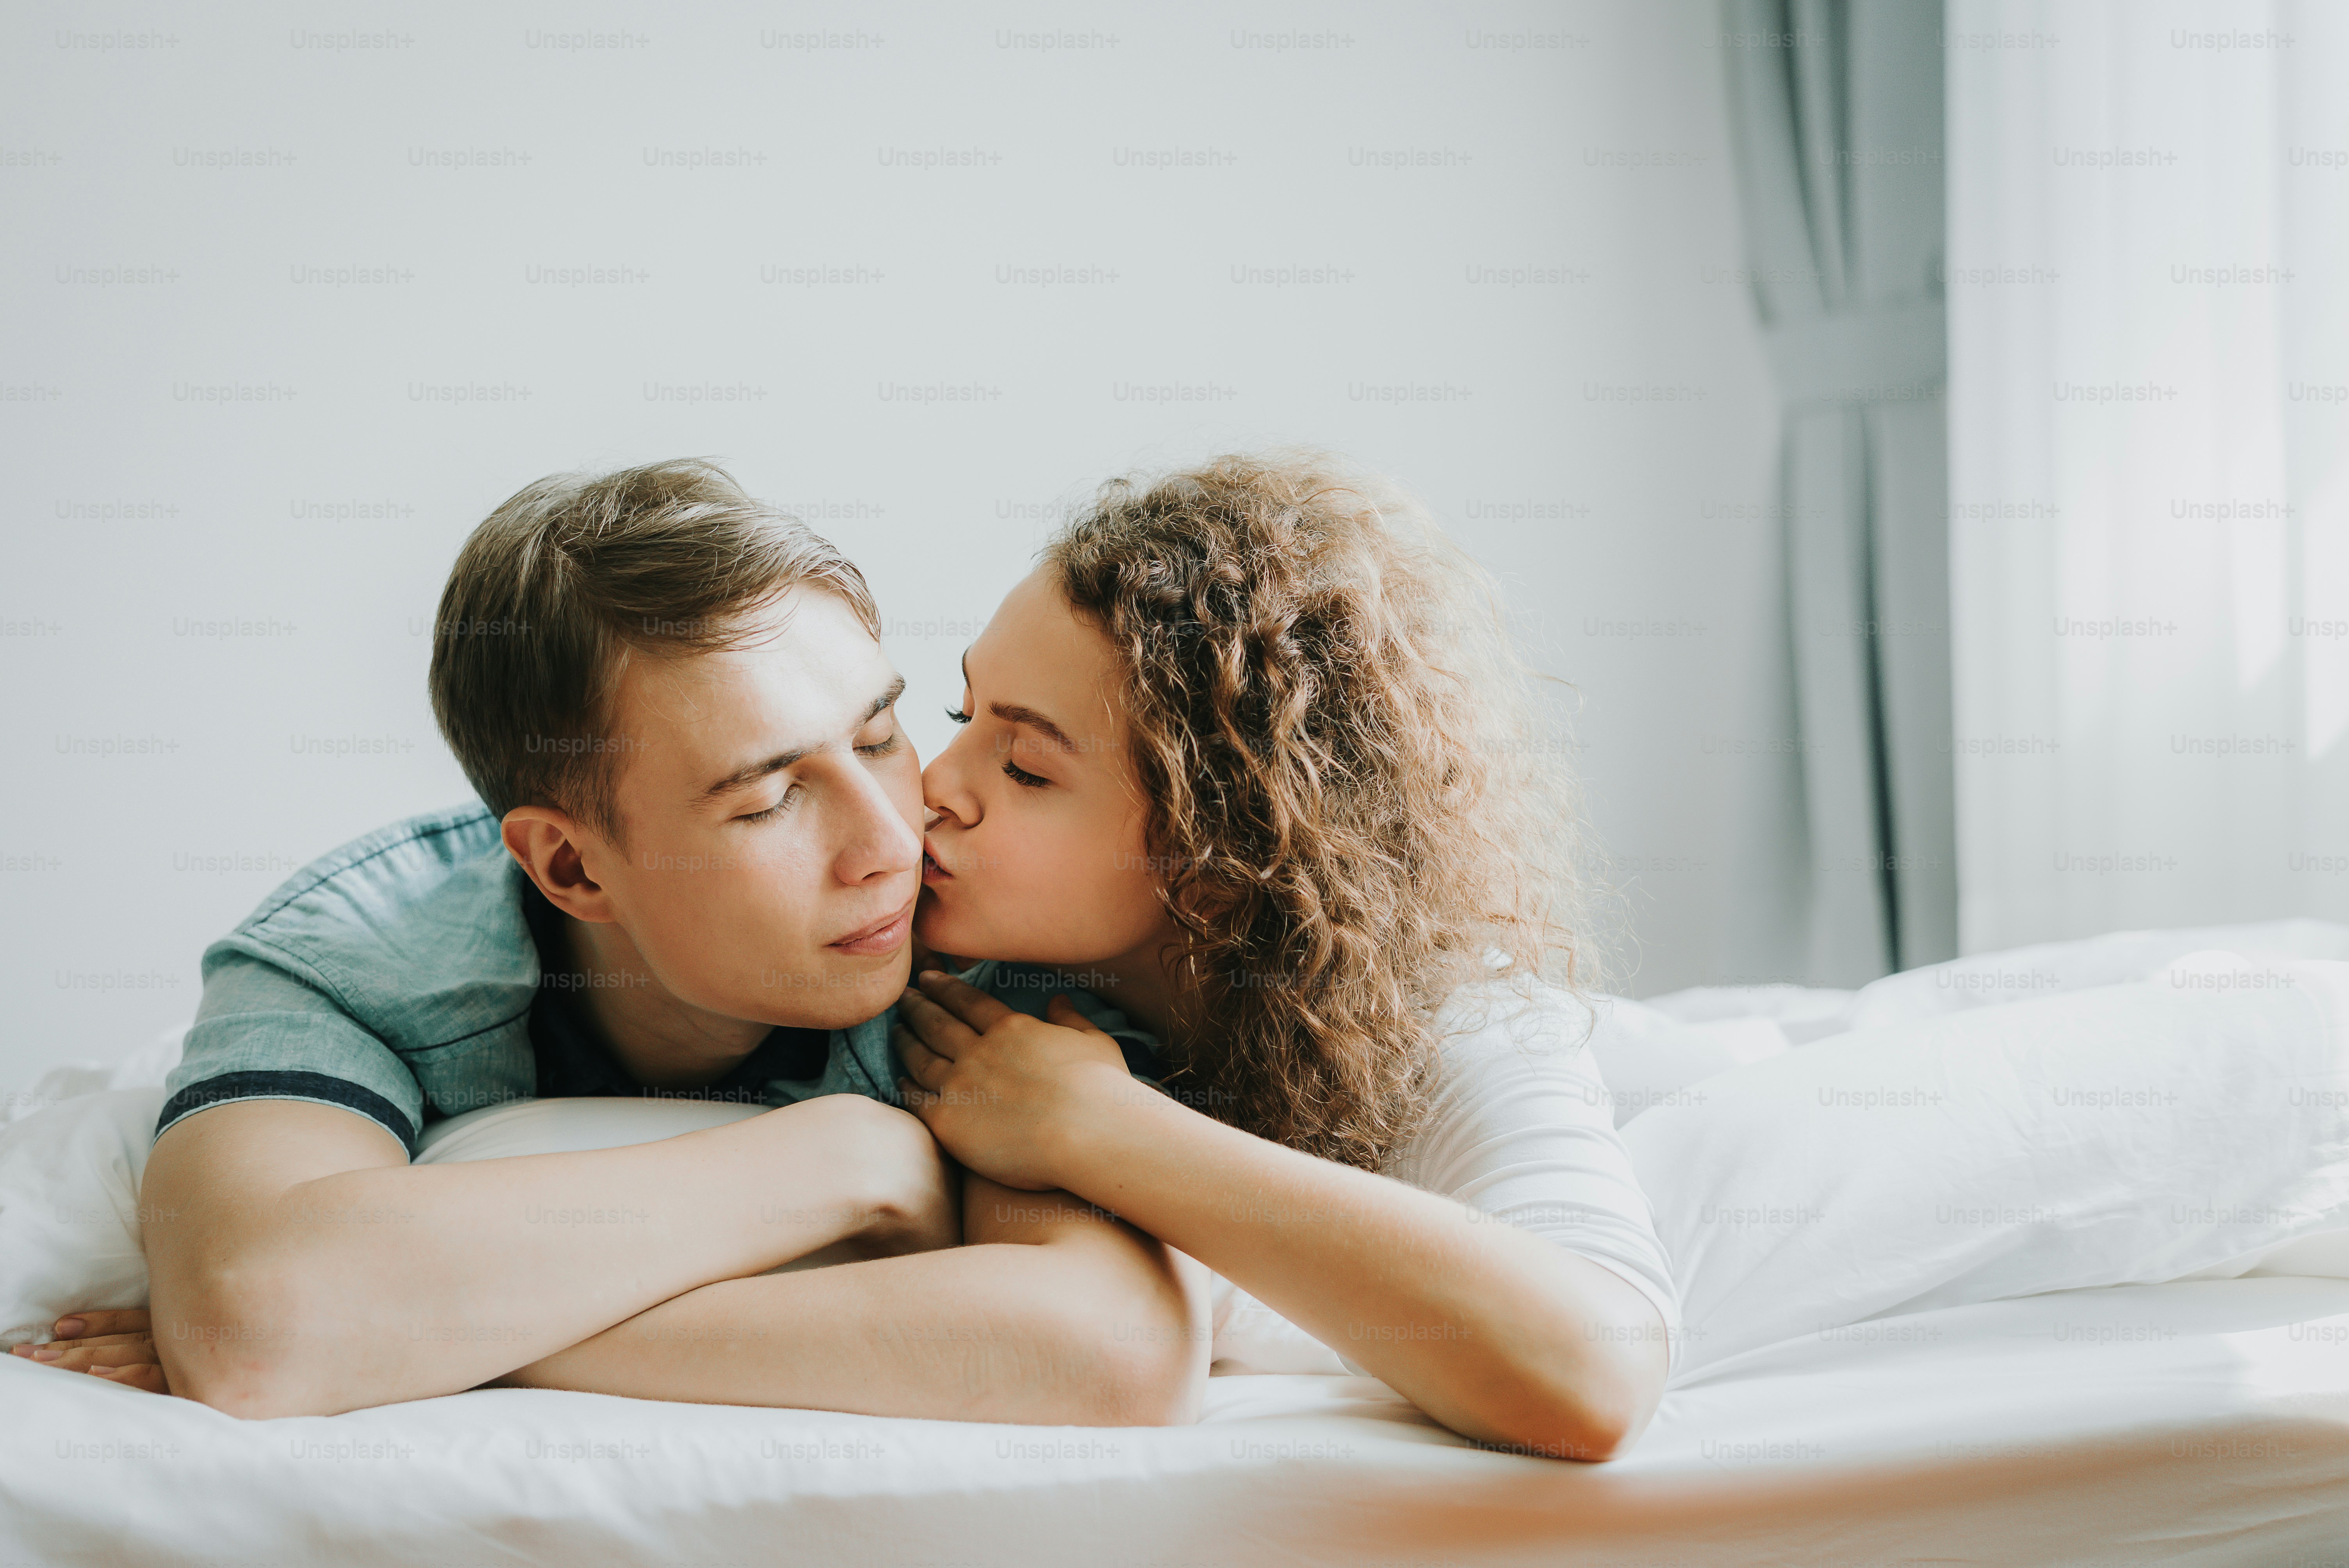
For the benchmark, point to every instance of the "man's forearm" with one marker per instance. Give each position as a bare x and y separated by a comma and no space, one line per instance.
1086,1323
365,1286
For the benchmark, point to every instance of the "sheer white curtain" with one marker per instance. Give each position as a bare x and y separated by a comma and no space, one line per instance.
2148,289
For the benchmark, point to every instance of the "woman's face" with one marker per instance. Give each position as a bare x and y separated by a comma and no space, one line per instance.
1036,852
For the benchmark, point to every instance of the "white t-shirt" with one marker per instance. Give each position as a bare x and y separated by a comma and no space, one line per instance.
1520,1127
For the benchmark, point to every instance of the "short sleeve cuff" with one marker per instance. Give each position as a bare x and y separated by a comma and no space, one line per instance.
1667,1308
319,1088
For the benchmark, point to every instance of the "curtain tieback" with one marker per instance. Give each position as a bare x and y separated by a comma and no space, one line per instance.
1896,352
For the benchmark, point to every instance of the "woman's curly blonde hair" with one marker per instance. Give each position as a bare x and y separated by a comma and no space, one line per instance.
1346,770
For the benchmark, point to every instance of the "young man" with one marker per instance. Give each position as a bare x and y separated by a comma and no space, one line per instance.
695,874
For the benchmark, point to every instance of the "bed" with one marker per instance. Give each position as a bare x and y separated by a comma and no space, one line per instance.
2200,1419
2197,1422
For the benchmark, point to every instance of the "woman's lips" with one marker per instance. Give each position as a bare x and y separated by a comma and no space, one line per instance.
933,870
885,937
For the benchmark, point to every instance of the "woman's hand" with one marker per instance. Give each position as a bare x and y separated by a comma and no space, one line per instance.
996,1086
118,1346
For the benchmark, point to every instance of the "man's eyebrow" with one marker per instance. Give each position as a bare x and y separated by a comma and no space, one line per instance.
753,772
1014,713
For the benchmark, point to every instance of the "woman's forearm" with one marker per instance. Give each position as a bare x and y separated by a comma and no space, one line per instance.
1500,1335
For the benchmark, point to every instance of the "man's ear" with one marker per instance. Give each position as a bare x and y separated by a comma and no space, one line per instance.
554,849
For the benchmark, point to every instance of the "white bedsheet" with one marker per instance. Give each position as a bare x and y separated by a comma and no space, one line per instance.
2199,1422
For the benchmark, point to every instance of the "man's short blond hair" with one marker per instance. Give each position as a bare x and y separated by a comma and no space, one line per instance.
569,580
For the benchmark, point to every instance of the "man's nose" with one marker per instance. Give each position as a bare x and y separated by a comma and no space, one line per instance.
879,841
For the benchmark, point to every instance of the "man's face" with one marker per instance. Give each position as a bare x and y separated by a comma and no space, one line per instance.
774,816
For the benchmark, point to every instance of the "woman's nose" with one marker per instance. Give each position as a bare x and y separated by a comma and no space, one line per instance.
944,796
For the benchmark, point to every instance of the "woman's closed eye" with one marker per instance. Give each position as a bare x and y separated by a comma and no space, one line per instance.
1011,770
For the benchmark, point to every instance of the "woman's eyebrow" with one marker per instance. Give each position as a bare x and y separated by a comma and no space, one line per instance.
1015,713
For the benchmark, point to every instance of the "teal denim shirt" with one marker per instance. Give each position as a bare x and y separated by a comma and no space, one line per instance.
1029,988
395,976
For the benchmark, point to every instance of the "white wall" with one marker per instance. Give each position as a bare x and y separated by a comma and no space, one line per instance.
247,278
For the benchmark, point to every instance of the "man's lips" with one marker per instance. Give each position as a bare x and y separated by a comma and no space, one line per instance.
882,936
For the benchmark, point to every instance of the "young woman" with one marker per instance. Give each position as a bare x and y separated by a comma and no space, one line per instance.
1249,758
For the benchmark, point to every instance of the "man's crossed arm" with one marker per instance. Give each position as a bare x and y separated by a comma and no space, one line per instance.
300,1265
1055,1314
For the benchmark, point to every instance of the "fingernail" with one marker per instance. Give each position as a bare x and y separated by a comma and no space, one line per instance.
49,1353
933,975
70,1329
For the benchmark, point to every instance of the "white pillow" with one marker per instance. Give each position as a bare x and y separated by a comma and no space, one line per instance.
2192,1124
1800,1013
2051,968
568,1126
1649,1058
70,1224
72,1150
1991,979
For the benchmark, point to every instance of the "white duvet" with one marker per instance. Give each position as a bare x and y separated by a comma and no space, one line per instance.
2143,1162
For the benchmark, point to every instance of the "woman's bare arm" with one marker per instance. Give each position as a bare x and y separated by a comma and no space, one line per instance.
1500,1335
